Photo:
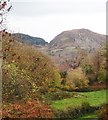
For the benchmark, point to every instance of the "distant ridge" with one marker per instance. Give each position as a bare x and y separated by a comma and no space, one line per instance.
29,39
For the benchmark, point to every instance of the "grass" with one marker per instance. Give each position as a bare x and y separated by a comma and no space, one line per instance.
95,98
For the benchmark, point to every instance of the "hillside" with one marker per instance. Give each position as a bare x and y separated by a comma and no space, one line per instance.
82,38
73,46
79,49
29,39
27,73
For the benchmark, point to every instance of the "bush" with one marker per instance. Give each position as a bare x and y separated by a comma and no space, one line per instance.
75,112
30,109
63,74
59,95
103,112
75,80
102,75
98,86
88,69
86,89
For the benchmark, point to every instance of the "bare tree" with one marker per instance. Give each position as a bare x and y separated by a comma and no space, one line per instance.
5,7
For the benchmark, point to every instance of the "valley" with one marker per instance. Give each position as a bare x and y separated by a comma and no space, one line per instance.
65,78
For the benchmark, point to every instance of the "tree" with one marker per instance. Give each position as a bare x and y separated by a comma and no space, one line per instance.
63,75
102,70
88,69
27,73
5,7
76,80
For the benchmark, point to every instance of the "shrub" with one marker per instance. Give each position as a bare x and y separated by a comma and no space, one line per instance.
30,109
103,112
59,95
63,74
75,80
86,89
98,86
75,112
102,71
88,69
102,76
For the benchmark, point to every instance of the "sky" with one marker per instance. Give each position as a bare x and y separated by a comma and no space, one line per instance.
48,18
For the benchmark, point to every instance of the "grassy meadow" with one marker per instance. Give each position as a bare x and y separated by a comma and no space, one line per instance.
94,98
83,105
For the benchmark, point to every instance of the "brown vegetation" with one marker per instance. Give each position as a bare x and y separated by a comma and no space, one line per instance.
27,73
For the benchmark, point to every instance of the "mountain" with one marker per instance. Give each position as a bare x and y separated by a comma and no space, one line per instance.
29,39
82,38
69,48
73,46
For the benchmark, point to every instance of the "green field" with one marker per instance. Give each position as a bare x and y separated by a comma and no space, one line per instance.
95,98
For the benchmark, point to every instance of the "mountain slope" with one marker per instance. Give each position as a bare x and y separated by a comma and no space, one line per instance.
29,39
70,48
82,38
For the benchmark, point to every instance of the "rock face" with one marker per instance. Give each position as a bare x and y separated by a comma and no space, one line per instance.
29,39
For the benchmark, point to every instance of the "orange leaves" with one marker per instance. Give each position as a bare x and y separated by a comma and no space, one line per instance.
30,109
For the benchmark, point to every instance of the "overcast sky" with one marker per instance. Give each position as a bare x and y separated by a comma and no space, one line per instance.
48,18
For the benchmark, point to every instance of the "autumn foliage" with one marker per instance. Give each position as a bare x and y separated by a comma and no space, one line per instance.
103,112
75,80
29,109
27,73
27,76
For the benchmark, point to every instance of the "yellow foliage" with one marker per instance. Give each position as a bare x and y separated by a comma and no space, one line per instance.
76,79
26,71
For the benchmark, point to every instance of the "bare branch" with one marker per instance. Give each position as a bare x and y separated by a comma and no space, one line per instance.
5,7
